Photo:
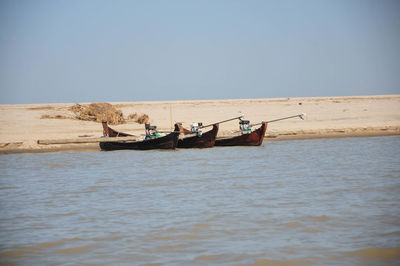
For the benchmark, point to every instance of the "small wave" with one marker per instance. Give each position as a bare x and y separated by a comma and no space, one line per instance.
227,232
395,233
177,246
5,188
51,244
130,213
97,187
376,253
112,238
75,250
72,239
188,236
172,230
312,230
63,214
322,218
199,227
21,251
209,258
104,180
18,253
175,237
84,191
151,185
211,164
54,165
292,224
282,262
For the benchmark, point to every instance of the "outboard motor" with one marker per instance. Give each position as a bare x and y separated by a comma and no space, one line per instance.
150,131
244,126
196,128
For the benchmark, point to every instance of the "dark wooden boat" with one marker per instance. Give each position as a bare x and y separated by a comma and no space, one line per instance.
109,132
205,140
166,142
254,138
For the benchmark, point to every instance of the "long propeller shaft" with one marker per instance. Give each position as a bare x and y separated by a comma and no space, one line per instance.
220,122
302,116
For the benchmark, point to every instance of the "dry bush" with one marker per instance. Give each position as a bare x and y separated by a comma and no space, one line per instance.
132,116
41,108
54,117
98,112
141,119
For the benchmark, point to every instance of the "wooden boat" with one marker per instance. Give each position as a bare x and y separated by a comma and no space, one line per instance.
254,138
165,142
251,137
109,132
203,140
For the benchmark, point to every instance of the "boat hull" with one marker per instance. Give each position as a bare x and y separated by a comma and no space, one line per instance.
109,132
169,141
254,138
206,140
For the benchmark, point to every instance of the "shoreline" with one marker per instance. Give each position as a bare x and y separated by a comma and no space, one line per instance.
94,147
23,125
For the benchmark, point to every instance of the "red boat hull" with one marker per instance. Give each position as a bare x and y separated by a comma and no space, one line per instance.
254,138
206,140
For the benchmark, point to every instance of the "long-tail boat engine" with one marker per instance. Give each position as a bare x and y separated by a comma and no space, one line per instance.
151,131
245,126
196,128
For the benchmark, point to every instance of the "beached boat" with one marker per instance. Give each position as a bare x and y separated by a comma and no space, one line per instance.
247,138
197,139
109,132
152,141
251,137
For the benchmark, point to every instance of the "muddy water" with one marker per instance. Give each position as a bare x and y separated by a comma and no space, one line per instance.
326,202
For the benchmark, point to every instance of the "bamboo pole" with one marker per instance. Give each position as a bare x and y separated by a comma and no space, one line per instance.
89,140
302,116
170,114
220,122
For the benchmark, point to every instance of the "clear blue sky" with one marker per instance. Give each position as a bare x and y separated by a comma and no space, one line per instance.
91,51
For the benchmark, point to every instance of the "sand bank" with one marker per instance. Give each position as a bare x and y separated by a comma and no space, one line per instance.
21,126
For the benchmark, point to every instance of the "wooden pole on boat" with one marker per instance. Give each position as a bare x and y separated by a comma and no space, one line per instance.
168,131
88,140
302,116
220,122
170,114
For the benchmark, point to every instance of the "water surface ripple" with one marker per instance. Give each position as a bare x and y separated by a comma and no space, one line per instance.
330,202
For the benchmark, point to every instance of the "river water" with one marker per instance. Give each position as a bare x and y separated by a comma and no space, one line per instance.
324,202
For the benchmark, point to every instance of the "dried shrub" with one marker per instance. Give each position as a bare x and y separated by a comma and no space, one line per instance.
54,117
41,108
98,112
132,116
141,119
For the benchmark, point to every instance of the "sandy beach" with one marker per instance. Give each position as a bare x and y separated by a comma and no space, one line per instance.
23,125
